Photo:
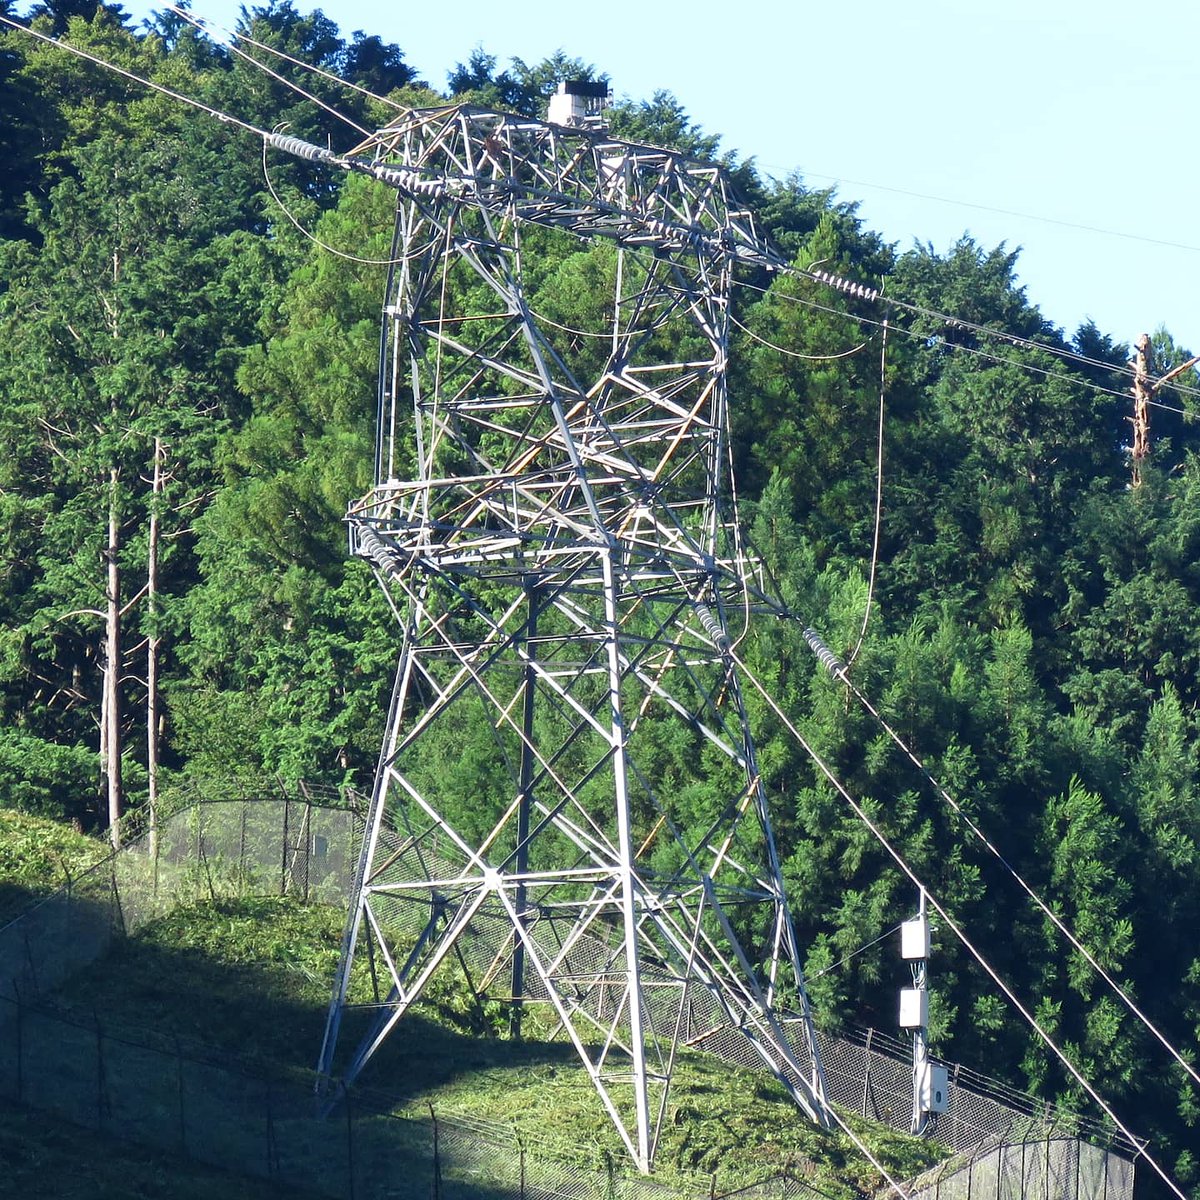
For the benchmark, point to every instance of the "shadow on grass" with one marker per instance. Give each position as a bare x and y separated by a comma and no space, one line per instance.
13,898
47,1158
201,1032
197,1037
248,983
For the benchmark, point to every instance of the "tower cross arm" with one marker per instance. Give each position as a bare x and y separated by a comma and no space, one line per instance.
612,190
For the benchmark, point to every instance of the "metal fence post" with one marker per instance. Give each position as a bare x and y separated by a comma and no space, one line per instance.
242,846
272,1145
117,916
33,979
20,1023
283,858
212,895
101,1079
437,1158
307,843
179,1088
349,1146
867,1072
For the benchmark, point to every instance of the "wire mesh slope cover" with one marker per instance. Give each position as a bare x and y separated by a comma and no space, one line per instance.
189,1100
552,524
278,842
1045,1168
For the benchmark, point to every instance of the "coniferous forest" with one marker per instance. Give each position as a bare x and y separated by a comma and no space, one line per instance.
186,403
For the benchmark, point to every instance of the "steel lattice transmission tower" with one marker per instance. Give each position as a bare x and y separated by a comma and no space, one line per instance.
551,523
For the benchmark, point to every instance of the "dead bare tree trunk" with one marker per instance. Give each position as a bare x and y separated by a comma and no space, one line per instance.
110,739
110,720
1143,364
153,641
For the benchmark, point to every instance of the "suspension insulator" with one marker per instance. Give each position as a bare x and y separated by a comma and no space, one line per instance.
857,290
827,658
372,547
300,148
408,181
713,627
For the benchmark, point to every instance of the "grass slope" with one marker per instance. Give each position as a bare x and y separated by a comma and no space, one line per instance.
53,1160
253,977
38,856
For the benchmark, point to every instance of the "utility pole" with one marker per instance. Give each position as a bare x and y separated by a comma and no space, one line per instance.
1144,390
1142,363
153,643
929,1081
110,730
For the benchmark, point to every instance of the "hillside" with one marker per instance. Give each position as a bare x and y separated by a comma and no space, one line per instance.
38,856
177,355
237,990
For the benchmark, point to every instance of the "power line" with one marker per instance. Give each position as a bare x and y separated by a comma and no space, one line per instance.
841,962
333,112
955,928
780,268
1005,212
840,672
988,331
812,276
1032,368
762,341
149,83
308,233
858,1143
816,276
203,25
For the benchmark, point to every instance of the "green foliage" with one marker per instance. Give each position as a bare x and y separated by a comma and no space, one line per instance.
662,121
521,88
251,977
1033,634
41,776
44,1157
38,856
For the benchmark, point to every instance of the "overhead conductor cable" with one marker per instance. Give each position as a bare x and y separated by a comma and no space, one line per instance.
839,672
837,282
951,924
413,184
204,25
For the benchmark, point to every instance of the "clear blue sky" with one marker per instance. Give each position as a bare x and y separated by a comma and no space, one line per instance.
928,113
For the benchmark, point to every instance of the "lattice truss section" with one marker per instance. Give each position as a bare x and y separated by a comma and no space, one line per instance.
568,751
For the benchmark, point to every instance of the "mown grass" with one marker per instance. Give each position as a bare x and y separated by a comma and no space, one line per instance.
38,856
253,978
54,1160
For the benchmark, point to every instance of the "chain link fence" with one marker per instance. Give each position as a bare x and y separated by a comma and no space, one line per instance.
1032,1168
303,842
166,1093
866,1071
176,1095
871,1072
